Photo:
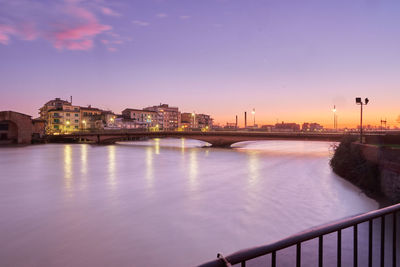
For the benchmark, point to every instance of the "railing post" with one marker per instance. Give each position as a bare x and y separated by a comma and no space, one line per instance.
320,250
339,248
394,239
273,259
355,245
298,255
370,243
383,241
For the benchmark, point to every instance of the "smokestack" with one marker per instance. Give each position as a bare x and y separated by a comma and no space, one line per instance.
71,100
236,121
245,119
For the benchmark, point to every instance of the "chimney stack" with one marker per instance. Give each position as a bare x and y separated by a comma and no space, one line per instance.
236,121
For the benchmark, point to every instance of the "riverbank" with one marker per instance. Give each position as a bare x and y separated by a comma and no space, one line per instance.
373,168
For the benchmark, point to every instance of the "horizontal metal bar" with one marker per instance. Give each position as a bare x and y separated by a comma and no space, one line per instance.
251,253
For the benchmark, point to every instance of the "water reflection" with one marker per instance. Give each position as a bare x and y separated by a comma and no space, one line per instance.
182,146
205,200
193,168
149,166
253,164
84,153
111,166
157,145
68,166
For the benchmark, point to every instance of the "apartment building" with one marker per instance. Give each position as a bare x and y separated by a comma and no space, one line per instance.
60,116
168,118
141,118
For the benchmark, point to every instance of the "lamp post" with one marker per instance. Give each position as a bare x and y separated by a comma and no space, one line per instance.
334,118
254,117
84,125
194,119
359,102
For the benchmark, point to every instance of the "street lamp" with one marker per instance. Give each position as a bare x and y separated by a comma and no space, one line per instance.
194,119
359,102
84,124
254,117
334,118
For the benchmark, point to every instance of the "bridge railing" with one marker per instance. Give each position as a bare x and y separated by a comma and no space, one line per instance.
243,256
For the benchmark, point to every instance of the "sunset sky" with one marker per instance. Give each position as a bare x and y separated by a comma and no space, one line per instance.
290,60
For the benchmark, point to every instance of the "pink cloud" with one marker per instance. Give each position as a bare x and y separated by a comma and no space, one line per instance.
79,37
109,12
72,24
5,32
28,31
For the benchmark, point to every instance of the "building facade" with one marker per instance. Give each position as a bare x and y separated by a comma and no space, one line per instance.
91,118
196,121
60,116
287,127
142,118
168,118
311,127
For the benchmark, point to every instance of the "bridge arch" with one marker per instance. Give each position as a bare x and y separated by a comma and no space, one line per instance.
15,128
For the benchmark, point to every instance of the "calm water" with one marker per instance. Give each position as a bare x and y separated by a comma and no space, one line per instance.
162,202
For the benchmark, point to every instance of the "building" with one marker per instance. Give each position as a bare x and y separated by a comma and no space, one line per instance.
121,122
168,118
268,127
311,127
19,128
188,120
193,120
108,118
142,118
91,118
287,127
230,125
60,116
204,121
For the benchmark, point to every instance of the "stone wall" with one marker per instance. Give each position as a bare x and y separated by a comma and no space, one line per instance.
23,123
388,160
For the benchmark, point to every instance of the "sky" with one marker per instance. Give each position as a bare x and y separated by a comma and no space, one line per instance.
291,61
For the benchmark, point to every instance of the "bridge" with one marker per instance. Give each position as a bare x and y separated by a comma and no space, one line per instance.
215,138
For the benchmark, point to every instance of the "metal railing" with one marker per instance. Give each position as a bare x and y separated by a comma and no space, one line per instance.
243,256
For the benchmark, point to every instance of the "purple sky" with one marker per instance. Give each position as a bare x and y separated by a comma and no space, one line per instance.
290,60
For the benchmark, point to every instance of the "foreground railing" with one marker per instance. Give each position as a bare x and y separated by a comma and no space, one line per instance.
318,233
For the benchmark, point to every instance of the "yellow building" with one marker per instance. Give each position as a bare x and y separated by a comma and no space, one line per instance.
60,116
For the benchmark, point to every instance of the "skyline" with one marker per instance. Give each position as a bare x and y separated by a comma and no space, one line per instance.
292,62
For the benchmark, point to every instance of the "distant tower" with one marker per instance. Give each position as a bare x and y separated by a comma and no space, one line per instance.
245,119
71,100
236,121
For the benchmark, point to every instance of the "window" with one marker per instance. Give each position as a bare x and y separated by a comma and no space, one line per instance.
76,114
56,121
68,114
68,126
3,127
76,121
76,109
76,127
55,126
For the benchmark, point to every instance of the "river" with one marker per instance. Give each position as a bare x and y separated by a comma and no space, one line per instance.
162,202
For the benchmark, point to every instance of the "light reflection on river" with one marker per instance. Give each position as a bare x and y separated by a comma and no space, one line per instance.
162,202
